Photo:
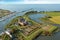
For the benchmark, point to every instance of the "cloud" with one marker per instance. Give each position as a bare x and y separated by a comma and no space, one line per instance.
32,2
10,0
41,0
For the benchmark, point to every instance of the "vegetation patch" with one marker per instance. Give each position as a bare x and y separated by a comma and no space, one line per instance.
55,19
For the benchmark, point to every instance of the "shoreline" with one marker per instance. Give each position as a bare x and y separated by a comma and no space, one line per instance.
5,17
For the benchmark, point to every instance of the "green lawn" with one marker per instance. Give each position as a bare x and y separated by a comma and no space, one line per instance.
52,29
52,13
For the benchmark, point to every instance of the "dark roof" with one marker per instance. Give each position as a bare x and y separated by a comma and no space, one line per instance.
22,20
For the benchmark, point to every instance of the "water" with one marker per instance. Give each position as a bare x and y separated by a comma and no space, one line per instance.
38,7
53,37
36,17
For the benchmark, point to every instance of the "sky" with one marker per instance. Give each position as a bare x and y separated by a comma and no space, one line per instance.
31,1
11,0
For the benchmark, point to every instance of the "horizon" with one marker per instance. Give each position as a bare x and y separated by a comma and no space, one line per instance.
38,7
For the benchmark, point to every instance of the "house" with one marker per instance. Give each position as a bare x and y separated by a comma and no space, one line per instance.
8,32
22,22
16,24
49,29
46,30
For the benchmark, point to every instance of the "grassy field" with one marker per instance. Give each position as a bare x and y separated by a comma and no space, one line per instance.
52,13
55,16
4,12
55,19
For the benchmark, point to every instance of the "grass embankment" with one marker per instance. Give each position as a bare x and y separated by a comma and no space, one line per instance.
52,13
52,29
33,35
55,19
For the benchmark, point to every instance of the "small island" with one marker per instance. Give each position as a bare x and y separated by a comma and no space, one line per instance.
4,12
25,28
